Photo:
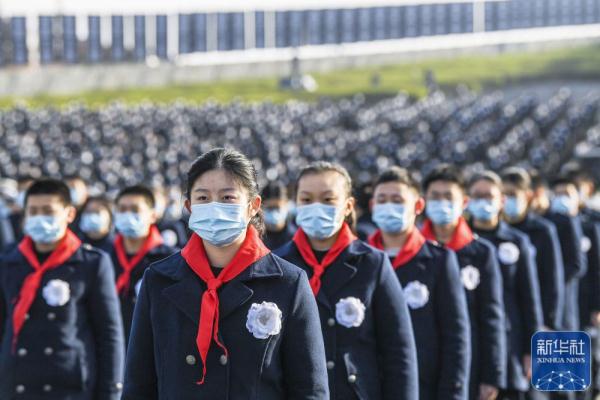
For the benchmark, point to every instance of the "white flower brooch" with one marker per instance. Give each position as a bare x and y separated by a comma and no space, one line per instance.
350,312
264,320
508,253
56,293
586,244
470,277
416,294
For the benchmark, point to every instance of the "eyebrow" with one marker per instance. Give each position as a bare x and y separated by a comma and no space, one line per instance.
221,190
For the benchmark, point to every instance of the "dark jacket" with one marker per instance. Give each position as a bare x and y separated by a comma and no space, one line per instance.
550,269
377,359
174,233
441,325
522,305
163,360
274,240
129,297
104,244
570,233
589,287
71,352
486,313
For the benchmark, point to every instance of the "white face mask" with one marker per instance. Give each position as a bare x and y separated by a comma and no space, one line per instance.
219,224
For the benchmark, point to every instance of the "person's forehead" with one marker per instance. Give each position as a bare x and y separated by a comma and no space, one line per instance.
330,178
393,188
444,186
132,198
216,179
45,199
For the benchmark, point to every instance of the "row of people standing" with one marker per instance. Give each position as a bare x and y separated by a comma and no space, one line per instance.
435,312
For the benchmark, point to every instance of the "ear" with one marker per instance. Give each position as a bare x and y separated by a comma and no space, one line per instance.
465,202
71,214
153,216
419,206
349,206
188,205
255,206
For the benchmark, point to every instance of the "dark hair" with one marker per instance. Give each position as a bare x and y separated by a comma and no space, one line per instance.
446,173
537,180
579,174
49,186
274,190
516,176
486,175
137,190
234,163
563,179
397,175
103,201
320,167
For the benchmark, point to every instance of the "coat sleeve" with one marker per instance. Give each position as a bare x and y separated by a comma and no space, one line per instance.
552,282
492,323
573,257
3,305
528,292
593,275
453,320
141,382
108,332
303,348
395,340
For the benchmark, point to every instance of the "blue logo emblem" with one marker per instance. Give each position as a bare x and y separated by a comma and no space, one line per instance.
561,361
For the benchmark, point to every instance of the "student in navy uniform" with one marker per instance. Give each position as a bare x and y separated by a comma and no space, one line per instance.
522,304
16,217
544,237
364,222
138,244
564,213
61,336
173,230
480,275
366,324
589,295
540,200
78,191
225,318
279,230
432,286
95,224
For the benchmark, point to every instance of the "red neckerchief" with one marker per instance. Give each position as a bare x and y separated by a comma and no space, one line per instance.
413,244
345,237
67,246
153,240
194,254
462,236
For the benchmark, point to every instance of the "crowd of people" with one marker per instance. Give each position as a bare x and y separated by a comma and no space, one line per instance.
148,273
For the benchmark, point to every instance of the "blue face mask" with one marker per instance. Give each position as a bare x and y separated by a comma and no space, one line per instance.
442,212
218,223
274,216
4,209
562,205
390,217
130,225
44,229
318,220
483,210
75,197
21,200
514,207
92,223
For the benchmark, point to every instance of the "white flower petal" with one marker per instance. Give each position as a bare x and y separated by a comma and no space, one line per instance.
416,294
56,293
264,320
470,277
350,312
508,253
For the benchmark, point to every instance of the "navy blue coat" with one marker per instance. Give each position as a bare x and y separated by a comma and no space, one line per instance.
376,360
175,233
274,240
70,352
589,288
522,304
104,244
486,313
162,358
441,326
550,269
570,233
129,298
